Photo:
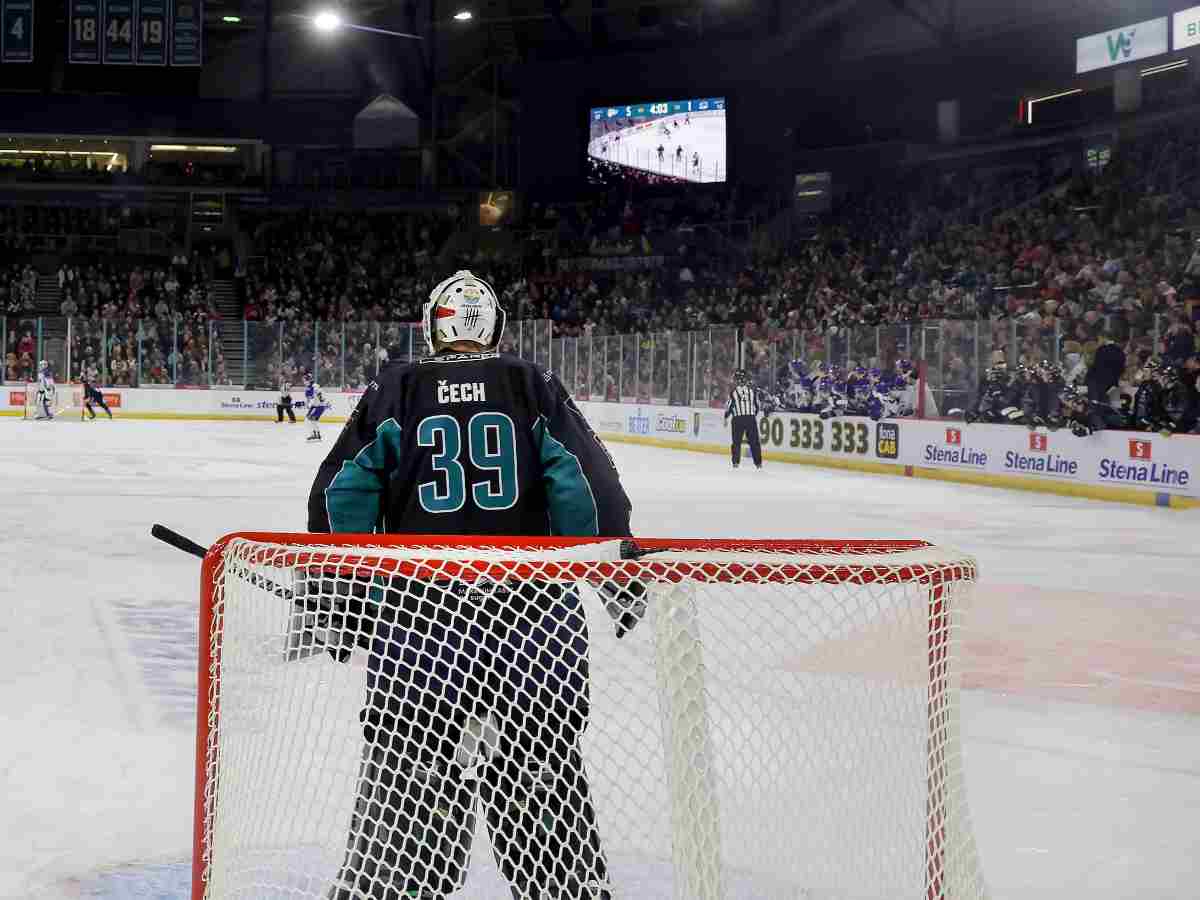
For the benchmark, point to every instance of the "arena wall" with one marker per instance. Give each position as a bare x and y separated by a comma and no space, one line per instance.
1122,466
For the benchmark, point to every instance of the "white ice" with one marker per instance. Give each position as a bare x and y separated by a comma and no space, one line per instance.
638,148
1082,724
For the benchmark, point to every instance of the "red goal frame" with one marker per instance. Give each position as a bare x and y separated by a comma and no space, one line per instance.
872,570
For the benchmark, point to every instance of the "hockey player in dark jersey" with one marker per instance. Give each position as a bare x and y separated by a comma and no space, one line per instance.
92,394
1148,413
1049,382
995,396
1163,401
470,442
1085,417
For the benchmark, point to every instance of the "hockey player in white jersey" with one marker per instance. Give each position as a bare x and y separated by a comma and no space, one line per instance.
316,404
47,393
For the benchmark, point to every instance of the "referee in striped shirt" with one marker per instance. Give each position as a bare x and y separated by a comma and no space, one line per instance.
744,408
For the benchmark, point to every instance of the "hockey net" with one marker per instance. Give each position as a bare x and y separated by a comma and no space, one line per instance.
408,717
67,402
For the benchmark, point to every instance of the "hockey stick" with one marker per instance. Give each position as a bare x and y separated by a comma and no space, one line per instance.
178,541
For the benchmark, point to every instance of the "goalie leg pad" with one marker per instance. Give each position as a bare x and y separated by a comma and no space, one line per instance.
543,829
411,831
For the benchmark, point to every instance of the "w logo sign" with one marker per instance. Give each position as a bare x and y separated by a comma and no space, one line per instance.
954,437
1139,449
1120,45
1039,443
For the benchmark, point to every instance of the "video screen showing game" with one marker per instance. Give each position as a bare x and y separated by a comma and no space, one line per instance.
672,140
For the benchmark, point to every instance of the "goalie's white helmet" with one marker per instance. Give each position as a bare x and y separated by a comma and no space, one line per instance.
463,308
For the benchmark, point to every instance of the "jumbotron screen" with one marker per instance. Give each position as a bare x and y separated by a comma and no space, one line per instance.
664,140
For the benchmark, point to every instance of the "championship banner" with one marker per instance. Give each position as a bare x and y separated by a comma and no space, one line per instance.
187,32
151,24
118,37
16,39
83,32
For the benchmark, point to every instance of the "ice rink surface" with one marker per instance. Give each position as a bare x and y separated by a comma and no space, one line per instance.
1081,722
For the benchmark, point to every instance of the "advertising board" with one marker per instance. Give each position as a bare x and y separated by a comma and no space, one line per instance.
1121,45
1115,465
1185,28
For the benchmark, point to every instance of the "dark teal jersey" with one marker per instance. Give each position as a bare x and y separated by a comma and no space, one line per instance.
468,444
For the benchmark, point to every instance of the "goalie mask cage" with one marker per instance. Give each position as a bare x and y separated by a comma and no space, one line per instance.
781,721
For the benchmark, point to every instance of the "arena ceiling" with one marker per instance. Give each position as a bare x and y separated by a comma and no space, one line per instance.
534,30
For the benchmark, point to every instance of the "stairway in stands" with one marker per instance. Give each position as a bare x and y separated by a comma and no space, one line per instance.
233,336
54,327
49,297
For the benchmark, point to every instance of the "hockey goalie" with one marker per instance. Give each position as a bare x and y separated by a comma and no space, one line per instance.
477,691
47,394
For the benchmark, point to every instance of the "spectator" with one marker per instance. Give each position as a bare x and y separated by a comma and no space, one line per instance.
1189,379
1106,369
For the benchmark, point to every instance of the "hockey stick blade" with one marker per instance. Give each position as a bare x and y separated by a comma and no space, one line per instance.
177,540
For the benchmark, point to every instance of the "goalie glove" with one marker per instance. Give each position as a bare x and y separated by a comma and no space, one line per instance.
326,616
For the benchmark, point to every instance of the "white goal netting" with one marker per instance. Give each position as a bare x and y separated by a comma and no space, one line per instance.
401,719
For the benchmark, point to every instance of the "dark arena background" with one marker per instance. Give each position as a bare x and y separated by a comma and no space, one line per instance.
952,248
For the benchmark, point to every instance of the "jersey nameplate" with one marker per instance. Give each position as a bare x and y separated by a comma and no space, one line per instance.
471,392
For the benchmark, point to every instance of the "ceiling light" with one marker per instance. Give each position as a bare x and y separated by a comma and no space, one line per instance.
463,15
193,148
232,20
327,21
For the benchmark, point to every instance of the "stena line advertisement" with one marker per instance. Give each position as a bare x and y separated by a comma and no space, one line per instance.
1118,459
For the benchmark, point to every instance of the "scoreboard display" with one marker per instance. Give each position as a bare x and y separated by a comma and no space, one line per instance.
135,32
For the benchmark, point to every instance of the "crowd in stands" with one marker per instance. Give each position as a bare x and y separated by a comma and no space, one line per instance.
1063,263
18,303
18,289
169,309
20,353
338,268
130,323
